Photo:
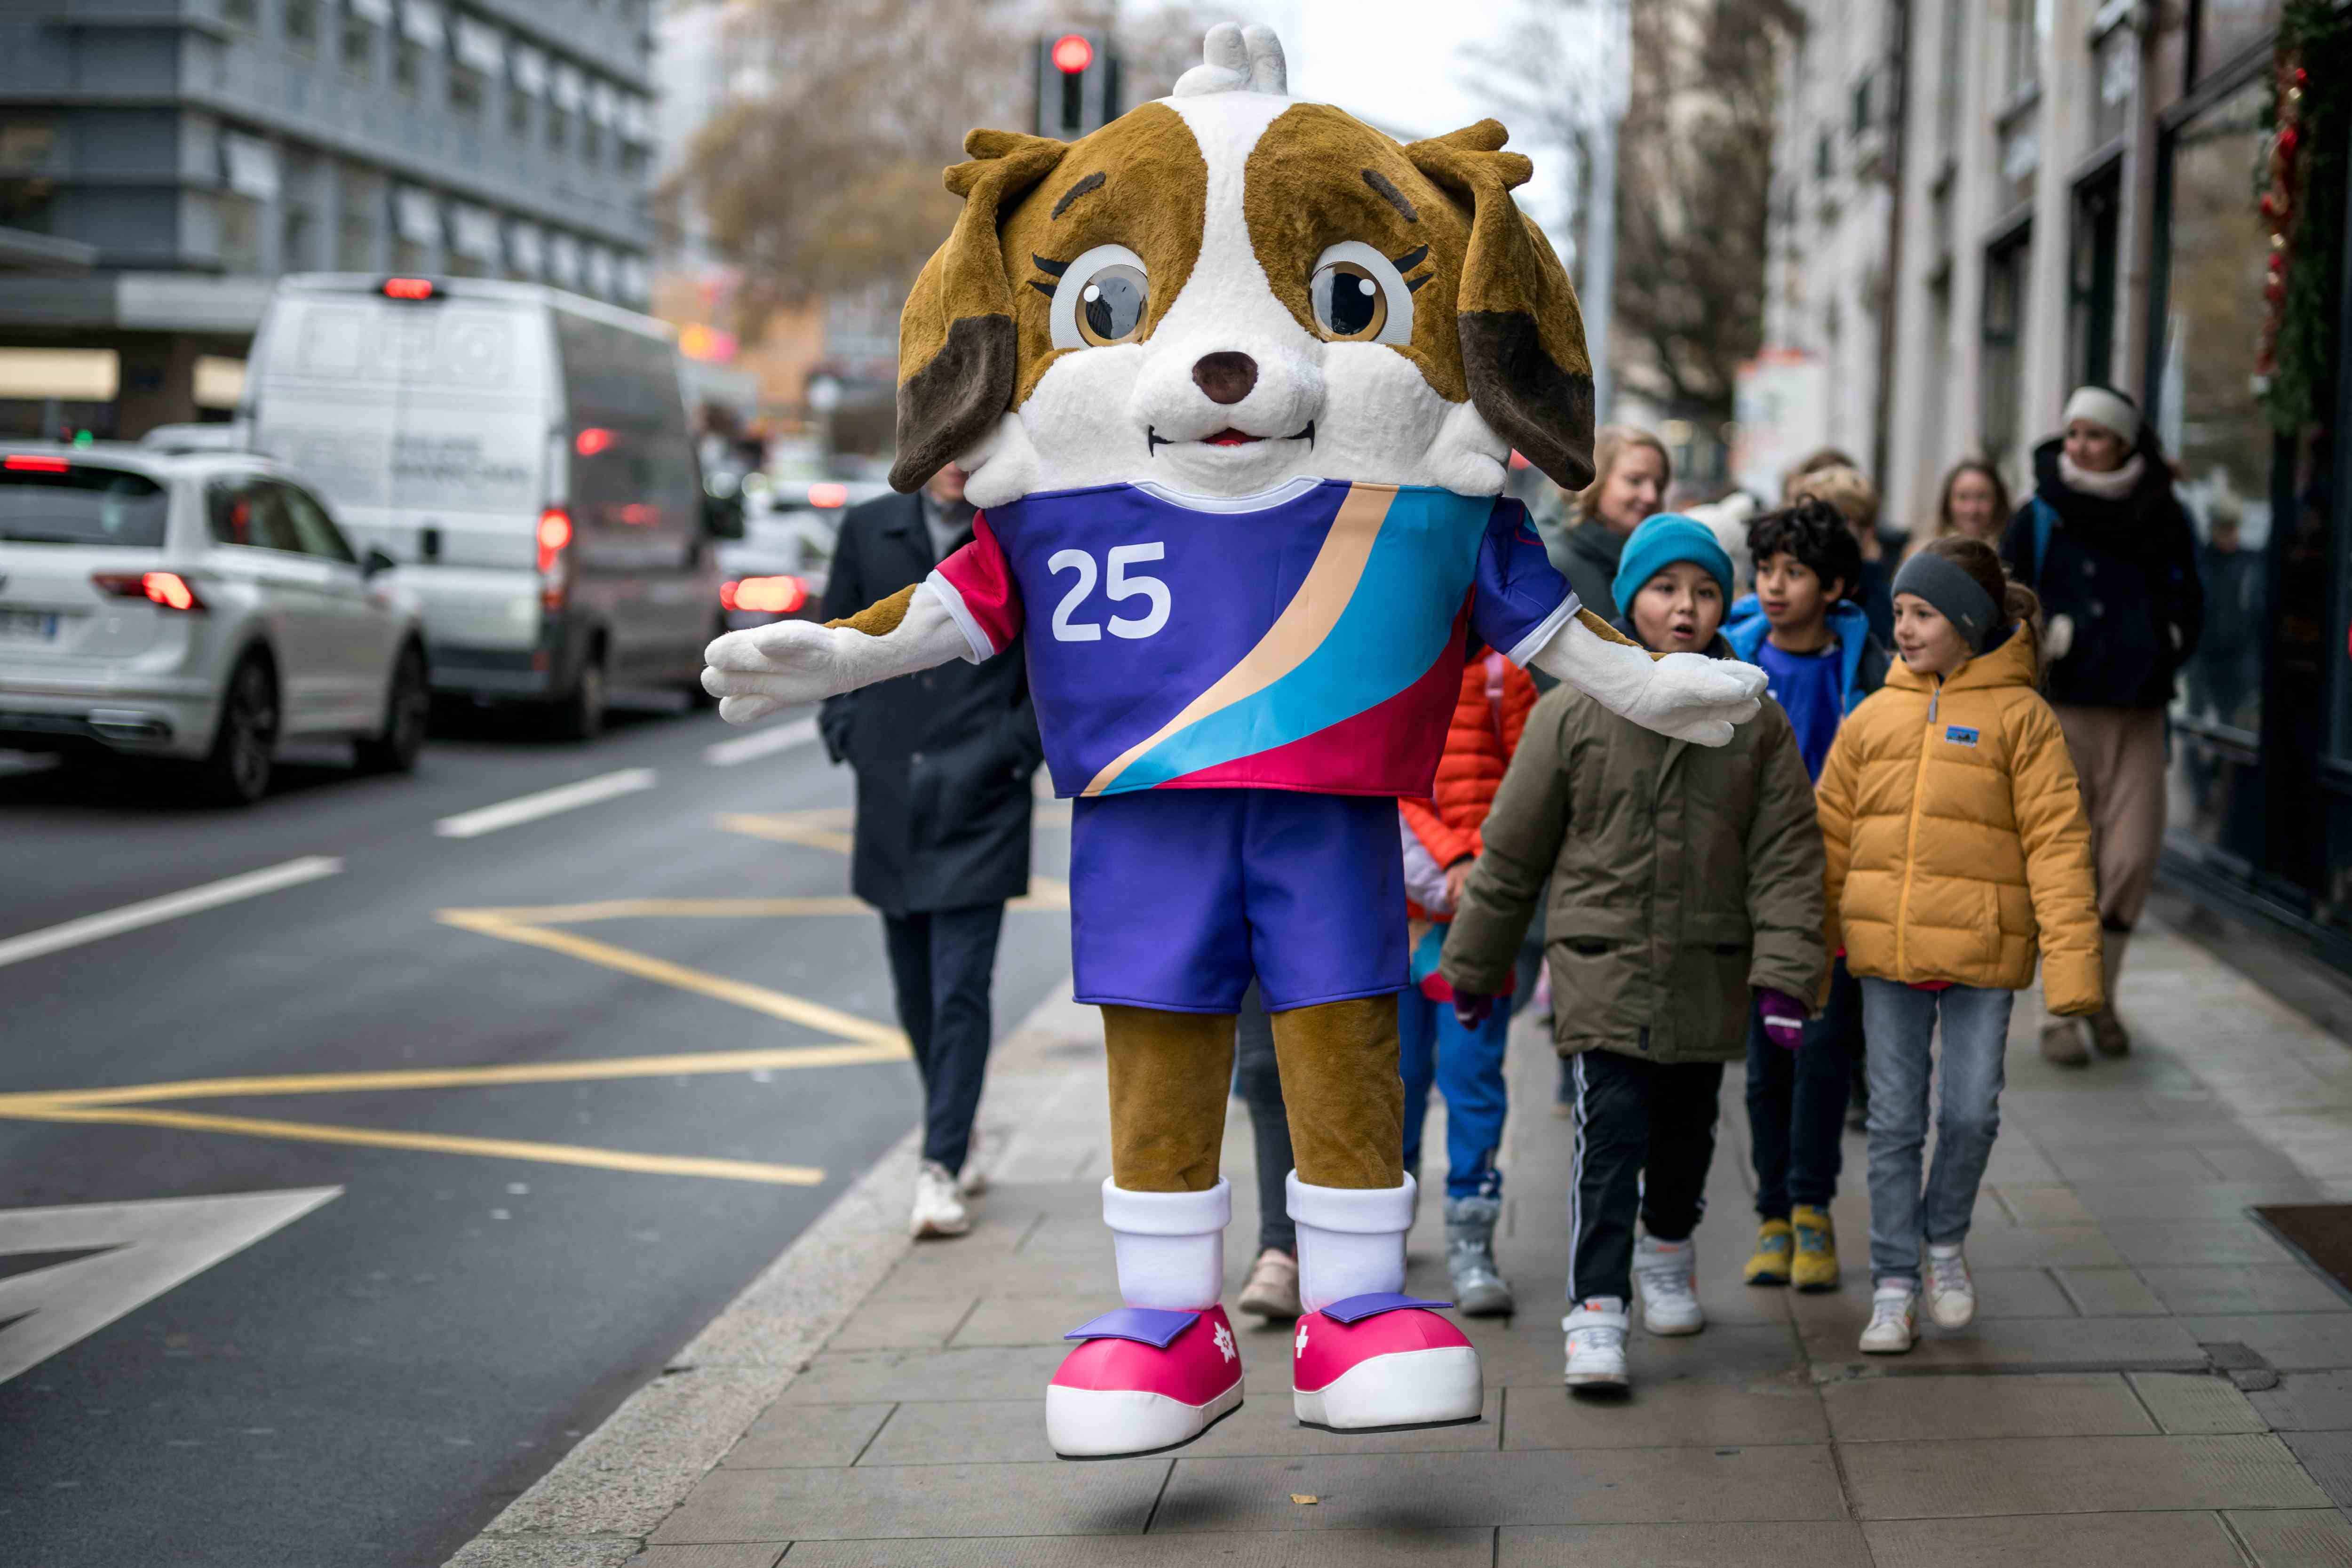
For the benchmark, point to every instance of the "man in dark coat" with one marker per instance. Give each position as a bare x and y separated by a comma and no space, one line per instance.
943,762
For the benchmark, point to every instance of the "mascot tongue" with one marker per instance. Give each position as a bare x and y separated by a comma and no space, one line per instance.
1229,437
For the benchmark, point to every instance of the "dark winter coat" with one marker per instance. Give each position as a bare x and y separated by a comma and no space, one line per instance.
944,758
2125,571
1593,550
1682,876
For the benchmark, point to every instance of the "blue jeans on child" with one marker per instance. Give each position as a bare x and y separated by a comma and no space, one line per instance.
1467,1066
1899,1021
1796,1103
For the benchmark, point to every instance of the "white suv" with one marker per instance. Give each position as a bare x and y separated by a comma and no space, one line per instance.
195,606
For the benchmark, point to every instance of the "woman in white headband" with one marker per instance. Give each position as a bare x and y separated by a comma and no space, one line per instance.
2108,548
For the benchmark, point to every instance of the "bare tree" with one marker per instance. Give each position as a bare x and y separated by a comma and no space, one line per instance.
819,173
1693,177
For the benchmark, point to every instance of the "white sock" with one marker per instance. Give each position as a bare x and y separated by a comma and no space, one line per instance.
1171,1246
1350,1240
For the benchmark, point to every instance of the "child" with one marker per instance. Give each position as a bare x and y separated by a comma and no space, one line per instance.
1955,843
1802,626
1684,882
1440,845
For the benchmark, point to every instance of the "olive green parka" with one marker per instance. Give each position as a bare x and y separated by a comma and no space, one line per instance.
1682,877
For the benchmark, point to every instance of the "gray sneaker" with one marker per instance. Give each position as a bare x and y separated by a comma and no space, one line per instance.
1479,1288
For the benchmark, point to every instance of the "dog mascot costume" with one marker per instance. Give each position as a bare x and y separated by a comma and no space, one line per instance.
1237,379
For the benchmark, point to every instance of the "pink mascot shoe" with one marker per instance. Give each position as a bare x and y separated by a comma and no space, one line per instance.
1380,1361
1141,1380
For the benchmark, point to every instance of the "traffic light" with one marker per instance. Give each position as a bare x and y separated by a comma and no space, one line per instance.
1078,84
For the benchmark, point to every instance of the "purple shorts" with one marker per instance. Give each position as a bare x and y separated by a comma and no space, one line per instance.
1178,897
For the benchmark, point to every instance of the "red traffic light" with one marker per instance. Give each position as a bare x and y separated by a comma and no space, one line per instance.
1072,54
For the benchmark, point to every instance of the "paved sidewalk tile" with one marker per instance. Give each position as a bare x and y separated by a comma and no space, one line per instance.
1605,1486
2297,1538
811,1436
2072,1475
1899,1409
850,1377
2248,1288
1814,1544
735,1556
2328,1456
2292,1342
2109,1293
1665,1414
1111,1498
2307,1402
1285,1548
2187,1406
2024,1343
2078,1541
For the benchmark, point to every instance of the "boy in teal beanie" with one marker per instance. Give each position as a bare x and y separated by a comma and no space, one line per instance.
1666,540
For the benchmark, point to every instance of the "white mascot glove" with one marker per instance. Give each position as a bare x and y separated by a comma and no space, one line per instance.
757,671
1684,696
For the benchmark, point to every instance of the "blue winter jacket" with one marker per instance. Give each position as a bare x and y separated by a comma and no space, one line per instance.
1863,659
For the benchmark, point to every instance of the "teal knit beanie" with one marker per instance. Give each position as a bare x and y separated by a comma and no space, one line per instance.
1658,543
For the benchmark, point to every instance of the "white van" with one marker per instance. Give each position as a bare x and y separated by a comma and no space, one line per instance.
523,455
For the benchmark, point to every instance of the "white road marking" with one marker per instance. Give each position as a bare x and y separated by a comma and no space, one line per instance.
131,917
546,803
150,1248
760,744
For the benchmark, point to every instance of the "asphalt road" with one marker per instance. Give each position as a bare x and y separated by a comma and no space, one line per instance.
428,1320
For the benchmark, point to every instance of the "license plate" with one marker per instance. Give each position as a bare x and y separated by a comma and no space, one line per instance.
39,625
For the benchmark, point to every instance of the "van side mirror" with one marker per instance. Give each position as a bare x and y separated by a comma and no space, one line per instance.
376,565
722,516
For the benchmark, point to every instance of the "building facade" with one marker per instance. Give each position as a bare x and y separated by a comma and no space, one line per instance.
2088,191
203,147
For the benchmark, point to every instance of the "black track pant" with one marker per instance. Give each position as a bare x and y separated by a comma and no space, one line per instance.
1644,1137
941,964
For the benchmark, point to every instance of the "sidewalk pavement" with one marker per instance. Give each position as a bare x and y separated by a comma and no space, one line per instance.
2153,1380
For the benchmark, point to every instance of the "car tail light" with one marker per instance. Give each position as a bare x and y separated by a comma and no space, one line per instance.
168,589
828,494
591,441
24,464
408,288
554,534
764,595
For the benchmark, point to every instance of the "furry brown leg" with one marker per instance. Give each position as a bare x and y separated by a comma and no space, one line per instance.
1171,1074
1339,1062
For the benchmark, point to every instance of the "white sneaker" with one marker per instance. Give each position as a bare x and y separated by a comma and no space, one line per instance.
1596,1343
1894,1320
1951,1294
1665,1278
939,1211
972,1179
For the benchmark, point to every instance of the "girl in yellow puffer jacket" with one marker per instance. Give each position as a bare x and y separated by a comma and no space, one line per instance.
1957,849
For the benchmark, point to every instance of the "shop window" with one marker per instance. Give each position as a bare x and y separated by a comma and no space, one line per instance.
2002,331
2091,278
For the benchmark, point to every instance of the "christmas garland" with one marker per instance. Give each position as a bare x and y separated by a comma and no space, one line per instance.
2302,189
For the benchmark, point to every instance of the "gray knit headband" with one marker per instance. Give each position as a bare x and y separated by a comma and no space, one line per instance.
1956,595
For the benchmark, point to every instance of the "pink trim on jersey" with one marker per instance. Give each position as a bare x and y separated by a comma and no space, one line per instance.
984,589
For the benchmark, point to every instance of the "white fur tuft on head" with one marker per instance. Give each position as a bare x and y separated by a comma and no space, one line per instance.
1236,59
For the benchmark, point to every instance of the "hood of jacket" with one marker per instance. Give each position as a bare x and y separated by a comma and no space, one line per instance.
2010,661
1745,629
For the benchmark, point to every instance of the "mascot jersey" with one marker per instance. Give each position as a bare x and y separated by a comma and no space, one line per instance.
1310,638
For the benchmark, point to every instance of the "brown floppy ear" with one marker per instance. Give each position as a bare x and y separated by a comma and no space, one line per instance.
1522,335
956,354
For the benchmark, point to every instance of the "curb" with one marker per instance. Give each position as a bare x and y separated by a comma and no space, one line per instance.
597,1507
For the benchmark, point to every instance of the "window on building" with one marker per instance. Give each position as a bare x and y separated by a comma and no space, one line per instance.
591,139
1821,156
27,142
1947,81
1862,104
467,88
558,127
408,66
2226,29
359,212
241,13
302,25
2021,47
240,222
2002,334
357,45
518,113
2091,277
2115,77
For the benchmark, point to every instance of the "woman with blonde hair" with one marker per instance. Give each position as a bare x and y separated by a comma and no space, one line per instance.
1630,471
1973,504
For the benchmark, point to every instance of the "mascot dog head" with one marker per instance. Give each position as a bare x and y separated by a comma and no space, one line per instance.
1226,289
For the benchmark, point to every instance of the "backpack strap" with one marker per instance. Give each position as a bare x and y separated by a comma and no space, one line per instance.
2045,517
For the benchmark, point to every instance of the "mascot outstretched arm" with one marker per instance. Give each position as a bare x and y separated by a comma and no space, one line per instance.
1236,380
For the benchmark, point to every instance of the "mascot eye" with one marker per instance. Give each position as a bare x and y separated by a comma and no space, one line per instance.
1100,299
1359,297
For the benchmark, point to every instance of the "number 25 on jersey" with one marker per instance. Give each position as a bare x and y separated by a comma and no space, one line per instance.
1118,584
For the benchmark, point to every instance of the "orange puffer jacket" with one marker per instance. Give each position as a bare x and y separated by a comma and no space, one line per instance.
1492,712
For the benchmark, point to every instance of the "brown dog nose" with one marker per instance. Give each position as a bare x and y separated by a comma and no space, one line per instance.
1226,377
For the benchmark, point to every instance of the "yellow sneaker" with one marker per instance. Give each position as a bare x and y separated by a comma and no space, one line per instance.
1773,1246
1817,1265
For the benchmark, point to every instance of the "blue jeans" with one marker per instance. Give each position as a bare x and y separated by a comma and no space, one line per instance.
1796,1103
1467,1065
1898,1022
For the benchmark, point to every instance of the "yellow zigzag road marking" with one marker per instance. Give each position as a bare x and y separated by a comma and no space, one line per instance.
431,1143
